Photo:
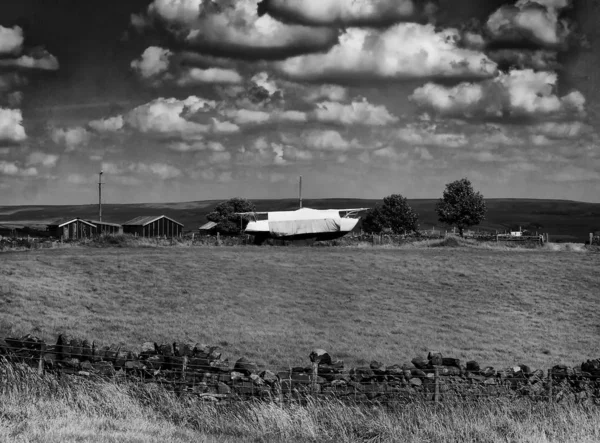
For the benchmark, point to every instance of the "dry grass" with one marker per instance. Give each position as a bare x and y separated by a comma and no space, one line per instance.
275,304
51,410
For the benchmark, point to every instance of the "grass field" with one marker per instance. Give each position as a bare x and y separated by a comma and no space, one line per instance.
275,304
51,410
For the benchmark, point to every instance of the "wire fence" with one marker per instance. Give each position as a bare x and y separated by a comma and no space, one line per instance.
200,371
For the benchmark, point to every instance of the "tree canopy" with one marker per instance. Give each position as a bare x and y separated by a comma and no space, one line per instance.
224,214
461,205
394,214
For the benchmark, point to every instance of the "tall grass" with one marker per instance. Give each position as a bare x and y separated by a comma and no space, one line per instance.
49,409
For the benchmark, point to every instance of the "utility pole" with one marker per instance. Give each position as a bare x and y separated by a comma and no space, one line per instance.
300,192
100,196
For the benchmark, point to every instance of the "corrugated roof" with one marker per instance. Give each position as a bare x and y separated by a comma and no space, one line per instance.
96,222
147,219
207,226
66,221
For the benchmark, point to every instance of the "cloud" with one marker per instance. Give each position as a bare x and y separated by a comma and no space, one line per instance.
219,157
427,135
373,54
357,112
154,61
37,58
158,66
389,153
111,124
76,178
535,22
572,173
327,140
11,125
11,40
332,93
43,159
539,60
196,146
71,138
562,130
518,93
13,169
346,13
161,170
169,117
233,28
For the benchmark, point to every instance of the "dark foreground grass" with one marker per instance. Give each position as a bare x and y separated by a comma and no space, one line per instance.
50,410
275,304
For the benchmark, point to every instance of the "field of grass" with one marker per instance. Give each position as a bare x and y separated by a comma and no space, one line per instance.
63,410
274,305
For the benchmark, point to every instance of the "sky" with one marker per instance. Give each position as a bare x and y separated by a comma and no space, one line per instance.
182,100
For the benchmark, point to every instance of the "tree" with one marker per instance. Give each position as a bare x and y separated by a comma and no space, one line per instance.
461,206
228,222
395,215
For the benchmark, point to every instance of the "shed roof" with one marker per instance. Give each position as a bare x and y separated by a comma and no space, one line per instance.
147,219
207,226
67,221
96,222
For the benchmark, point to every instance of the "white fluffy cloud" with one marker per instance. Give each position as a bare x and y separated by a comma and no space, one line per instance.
111,124
159,66
40,59
11,125
71,138
357,112
43,159
168,117
11,40
327,140
13,169
428,135
200,145
332,93
518,93
534,21
235,28
346,13
406,50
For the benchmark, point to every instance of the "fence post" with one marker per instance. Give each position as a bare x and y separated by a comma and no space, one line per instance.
41,360
550,393
436,380
315,374
591,239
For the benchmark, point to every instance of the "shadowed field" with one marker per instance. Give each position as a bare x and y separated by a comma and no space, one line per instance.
275,304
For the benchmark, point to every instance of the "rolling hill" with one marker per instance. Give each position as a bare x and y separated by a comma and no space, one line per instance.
563,220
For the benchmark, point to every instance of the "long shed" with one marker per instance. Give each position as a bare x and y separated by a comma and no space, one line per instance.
72,229
106,227
153,226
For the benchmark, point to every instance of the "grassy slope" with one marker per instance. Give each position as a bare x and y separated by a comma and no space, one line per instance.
275,304
50,410
565,220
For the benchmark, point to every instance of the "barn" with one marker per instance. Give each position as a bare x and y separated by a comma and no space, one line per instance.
153,226
208,228
72,229
107,228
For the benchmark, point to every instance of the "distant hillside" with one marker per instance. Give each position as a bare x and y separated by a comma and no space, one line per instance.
563,220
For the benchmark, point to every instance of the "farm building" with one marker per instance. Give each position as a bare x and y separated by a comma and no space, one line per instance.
107,228
153,226
208,228
72,229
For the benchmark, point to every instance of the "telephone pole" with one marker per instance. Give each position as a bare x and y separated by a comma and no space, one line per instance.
100,196
300,192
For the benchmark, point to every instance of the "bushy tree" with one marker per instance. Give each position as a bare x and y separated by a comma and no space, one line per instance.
224,214
461,206
394,214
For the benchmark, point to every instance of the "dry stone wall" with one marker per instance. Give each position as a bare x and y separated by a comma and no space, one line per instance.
196,369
